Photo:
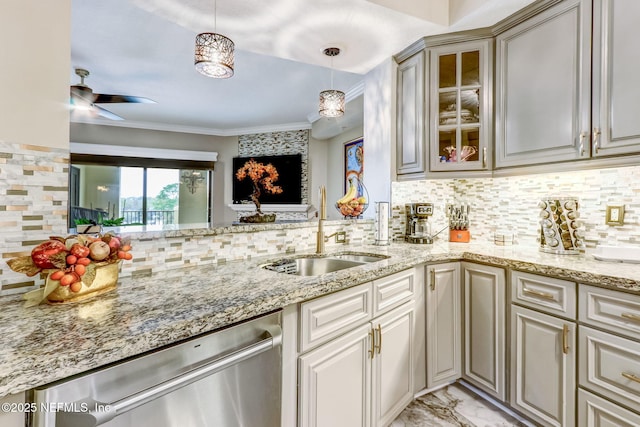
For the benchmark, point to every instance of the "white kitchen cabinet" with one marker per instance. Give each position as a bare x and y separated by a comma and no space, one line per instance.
609,361
543,361
616,57
357,361
484,328
610,366
392,363
410,98
594,411
335,382
460,113
363,378
444,324
543,87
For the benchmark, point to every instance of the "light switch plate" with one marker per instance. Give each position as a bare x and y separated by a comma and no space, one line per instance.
615,215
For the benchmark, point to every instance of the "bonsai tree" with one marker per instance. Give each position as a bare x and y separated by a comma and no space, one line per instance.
262,176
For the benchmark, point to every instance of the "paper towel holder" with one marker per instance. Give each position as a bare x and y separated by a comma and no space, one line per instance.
382,224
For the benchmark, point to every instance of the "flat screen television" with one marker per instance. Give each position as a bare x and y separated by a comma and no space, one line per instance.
289,167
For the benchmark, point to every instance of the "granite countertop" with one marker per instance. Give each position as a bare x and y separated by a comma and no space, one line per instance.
47,343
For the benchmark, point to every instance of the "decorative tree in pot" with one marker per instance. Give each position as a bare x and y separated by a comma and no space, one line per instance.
264,176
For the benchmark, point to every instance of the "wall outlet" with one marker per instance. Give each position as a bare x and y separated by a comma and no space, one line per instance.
615,215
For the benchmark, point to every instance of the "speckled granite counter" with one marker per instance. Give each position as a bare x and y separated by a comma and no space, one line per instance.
47,343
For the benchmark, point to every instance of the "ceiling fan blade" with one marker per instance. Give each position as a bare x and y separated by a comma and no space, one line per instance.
102,98
106,113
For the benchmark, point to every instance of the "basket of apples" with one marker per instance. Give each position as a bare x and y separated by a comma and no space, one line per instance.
76,267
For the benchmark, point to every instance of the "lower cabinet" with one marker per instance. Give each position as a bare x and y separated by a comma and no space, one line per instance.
444,324
364,378
484,328
594,411
543,360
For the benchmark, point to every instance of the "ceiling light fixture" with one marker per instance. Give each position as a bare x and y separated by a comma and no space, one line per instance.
331,101
214,53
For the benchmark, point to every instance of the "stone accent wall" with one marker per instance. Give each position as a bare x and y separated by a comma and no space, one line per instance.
273,144
511,203
33,205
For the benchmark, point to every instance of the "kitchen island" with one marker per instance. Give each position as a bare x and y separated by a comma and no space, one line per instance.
47,343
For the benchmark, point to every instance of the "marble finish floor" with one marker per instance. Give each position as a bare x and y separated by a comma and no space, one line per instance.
454,406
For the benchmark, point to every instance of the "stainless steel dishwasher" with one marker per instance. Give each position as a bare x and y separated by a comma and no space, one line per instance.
226,378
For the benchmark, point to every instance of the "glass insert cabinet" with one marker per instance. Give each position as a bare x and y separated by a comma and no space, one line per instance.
460,108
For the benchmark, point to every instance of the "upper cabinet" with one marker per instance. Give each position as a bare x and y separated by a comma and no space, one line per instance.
410,141
460,106
543,76
616,58
559,98
563,90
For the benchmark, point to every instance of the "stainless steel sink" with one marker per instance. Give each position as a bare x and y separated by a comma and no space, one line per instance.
365,258
315,266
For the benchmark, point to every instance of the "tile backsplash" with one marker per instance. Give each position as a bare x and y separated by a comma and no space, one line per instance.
511,203
33,205
34,195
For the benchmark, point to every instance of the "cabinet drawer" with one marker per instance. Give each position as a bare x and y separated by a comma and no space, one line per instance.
551,295
392,291
610,366
593,411
613,310
329,316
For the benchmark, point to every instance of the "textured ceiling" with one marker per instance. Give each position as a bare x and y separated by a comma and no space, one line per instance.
145,48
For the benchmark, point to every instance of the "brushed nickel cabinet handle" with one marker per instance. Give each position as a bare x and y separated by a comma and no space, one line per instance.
372,350
379,346
596,139
631,316
632,377
565,339
433,279
544,295
484,157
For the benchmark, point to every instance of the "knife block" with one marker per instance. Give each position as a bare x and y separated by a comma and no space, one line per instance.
459,236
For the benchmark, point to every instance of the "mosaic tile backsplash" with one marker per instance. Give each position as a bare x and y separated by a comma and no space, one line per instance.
511,203
34,194
33,205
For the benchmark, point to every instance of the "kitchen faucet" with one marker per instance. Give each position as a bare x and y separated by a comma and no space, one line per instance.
322,217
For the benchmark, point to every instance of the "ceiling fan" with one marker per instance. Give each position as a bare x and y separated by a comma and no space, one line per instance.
83,100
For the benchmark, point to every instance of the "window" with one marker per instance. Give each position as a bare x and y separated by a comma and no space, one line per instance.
125,191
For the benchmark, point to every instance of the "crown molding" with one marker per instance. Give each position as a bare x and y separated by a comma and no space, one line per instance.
198,130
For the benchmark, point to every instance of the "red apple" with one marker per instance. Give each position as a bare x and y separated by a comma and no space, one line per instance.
46,254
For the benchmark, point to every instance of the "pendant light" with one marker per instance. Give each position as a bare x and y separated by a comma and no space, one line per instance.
331,101
214,53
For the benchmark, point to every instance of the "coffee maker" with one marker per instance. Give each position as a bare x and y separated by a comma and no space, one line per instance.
418,227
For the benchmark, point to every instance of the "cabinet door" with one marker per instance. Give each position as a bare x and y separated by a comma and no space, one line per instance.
543,360
460,110
543,87
594,411
410,156
392,364
616,58
484,328
444,324
335,382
